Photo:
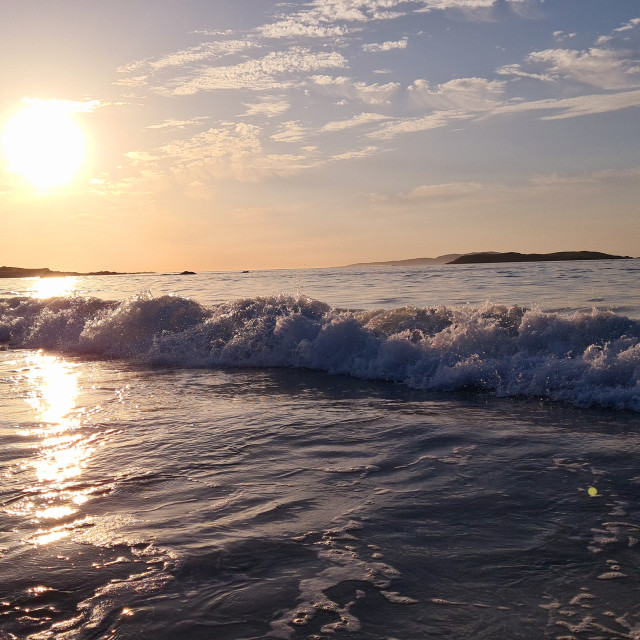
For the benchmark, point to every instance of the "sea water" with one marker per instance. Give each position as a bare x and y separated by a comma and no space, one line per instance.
431,452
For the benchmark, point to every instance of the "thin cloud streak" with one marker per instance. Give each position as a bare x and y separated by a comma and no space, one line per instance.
269,72
385,46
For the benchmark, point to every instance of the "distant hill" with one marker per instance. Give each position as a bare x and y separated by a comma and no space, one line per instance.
483,257
18,272
511,256
445,259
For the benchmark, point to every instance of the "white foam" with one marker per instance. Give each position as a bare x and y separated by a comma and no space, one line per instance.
587,359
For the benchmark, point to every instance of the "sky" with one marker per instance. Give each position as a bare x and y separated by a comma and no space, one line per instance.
251,134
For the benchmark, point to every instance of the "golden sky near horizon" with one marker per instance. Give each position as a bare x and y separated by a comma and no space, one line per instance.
166,136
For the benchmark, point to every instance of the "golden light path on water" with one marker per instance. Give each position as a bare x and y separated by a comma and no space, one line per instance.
63,451
53,287
62,430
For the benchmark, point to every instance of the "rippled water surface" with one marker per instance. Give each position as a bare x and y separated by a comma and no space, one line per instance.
194,497
601,284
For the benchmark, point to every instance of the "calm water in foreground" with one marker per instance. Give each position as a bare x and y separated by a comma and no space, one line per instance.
436,452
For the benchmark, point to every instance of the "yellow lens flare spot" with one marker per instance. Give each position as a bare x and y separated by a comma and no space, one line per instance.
592,491
44,144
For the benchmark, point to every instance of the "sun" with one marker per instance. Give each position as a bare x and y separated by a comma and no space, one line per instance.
44,144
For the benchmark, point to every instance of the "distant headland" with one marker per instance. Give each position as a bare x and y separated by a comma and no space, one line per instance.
18,272
512,256
495,257
445,259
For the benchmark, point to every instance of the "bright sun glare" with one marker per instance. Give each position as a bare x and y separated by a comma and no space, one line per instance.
44,144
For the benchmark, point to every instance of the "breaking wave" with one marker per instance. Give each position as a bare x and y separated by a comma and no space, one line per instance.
587,359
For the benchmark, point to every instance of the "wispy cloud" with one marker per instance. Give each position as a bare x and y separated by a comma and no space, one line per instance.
348,89
328,11
515,71
627,26
441,5
535,185
444,192
401,126
291,131
490,107
268,107
173,123
334,18
206,51
331,18
141,157
274,70
603,68
355,121
478,9
295,28
469,94
132,81
632,24
375,47
447,191
560,36
552,180
576,106
356,155
233,151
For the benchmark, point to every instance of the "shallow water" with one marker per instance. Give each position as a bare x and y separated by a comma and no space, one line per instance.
165,501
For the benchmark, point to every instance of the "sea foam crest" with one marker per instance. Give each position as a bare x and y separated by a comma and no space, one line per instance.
582,358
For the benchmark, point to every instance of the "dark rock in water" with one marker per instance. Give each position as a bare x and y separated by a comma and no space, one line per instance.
187,273
245,271
512,256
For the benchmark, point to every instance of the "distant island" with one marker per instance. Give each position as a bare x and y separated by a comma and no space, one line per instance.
495,257
512,256
445,259
18,272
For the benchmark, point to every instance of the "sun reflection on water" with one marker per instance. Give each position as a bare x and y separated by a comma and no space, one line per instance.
56,513
63,450
54,391
50,536
53,287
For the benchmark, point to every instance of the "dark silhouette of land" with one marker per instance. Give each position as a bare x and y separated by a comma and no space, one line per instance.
445,259
485,257
18,272
512,256
495,257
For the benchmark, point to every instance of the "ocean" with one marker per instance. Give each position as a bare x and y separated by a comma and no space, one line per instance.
358,453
